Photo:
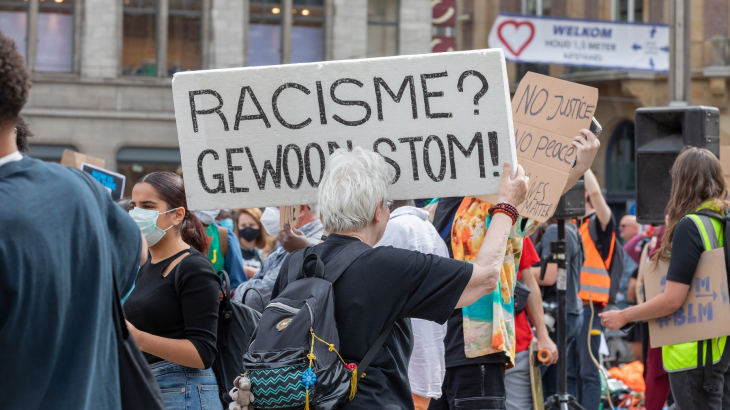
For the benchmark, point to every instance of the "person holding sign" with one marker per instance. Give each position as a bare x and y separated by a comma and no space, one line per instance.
699,372
481,337
385,286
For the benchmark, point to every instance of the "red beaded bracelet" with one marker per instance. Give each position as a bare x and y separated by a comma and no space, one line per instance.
506,209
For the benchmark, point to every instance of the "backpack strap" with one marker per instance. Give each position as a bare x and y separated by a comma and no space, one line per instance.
334,268
370,355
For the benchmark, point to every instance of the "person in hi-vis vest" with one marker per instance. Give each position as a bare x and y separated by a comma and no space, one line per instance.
597,232
699,372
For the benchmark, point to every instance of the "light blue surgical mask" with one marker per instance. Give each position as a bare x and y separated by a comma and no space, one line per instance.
146,220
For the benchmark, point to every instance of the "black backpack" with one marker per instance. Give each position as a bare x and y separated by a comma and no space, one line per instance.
293,361
236,326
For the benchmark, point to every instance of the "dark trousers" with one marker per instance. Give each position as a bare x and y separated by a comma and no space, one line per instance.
550,374
688,391
472,387
589,379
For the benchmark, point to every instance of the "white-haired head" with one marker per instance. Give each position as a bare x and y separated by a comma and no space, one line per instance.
352,184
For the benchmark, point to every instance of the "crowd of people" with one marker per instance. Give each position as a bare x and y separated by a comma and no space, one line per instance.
457,280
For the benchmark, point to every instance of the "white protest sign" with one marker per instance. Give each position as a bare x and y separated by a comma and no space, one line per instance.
589,43
261,136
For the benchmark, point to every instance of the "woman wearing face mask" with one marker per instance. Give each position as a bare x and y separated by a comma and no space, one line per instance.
252,237
173,310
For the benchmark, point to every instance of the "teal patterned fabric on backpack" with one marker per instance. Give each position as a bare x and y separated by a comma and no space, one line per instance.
278,388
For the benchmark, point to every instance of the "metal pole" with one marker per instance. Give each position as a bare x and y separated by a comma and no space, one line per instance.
679,52
286,23
162,24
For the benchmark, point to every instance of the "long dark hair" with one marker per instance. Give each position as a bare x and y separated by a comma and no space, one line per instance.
696,178
170,188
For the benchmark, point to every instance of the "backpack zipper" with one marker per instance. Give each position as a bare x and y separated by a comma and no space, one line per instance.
292,310
283,307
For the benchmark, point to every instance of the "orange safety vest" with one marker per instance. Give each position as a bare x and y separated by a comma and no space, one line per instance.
595,281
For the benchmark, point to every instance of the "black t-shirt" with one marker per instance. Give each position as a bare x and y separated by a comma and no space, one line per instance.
687,247
386,285
154,306
252,258
444,218
454,345
454,340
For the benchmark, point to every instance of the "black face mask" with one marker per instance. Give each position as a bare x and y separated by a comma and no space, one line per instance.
249,234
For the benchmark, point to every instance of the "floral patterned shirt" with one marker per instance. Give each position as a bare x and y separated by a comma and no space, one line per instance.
489,325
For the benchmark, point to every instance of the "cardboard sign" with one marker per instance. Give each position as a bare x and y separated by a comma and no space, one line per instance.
261,136
548,113
289,215
706,312
113,182
725,161
74,159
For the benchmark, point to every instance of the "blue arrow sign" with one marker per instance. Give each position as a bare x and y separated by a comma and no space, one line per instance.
665,49
651,62
653,31
636,47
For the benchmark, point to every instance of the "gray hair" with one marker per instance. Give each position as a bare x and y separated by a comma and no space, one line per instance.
314,210
352,184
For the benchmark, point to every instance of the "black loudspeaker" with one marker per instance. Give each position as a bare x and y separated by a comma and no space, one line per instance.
573,203
661,133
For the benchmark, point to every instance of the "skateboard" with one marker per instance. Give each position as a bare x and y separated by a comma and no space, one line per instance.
536,361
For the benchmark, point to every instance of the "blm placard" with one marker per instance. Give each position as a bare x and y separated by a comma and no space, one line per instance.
705,313
261,136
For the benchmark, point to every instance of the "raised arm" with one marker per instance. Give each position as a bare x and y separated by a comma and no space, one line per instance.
488,264
587,145
597,200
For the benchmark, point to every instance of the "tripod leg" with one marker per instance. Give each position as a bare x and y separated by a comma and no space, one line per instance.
552,402
574,404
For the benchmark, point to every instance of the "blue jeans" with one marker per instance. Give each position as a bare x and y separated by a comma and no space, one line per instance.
589,381
550,375
185,388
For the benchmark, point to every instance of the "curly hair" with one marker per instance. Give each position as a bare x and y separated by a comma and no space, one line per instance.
23,134
14,81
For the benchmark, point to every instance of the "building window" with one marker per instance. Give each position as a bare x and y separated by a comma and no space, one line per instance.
620,163
14,22
536,7
48,152
307,34
264,32
160,41
139,44
184,35
627,10
55,36
382,28
134,163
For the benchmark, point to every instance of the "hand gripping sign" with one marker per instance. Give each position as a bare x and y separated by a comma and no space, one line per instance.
261,136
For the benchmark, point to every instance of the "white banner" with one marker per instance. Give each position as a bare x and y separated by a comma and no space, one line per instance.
261,136
588,43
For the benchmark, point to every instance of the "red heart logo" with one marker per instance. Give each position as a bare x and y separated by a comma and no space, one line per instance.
517,26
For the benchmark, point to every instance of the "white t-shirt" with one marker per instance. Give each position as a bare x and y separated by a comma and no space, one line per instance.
409,228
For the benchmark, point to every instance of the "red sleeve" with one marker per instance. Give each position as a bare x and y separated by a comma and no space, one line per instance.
529,255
